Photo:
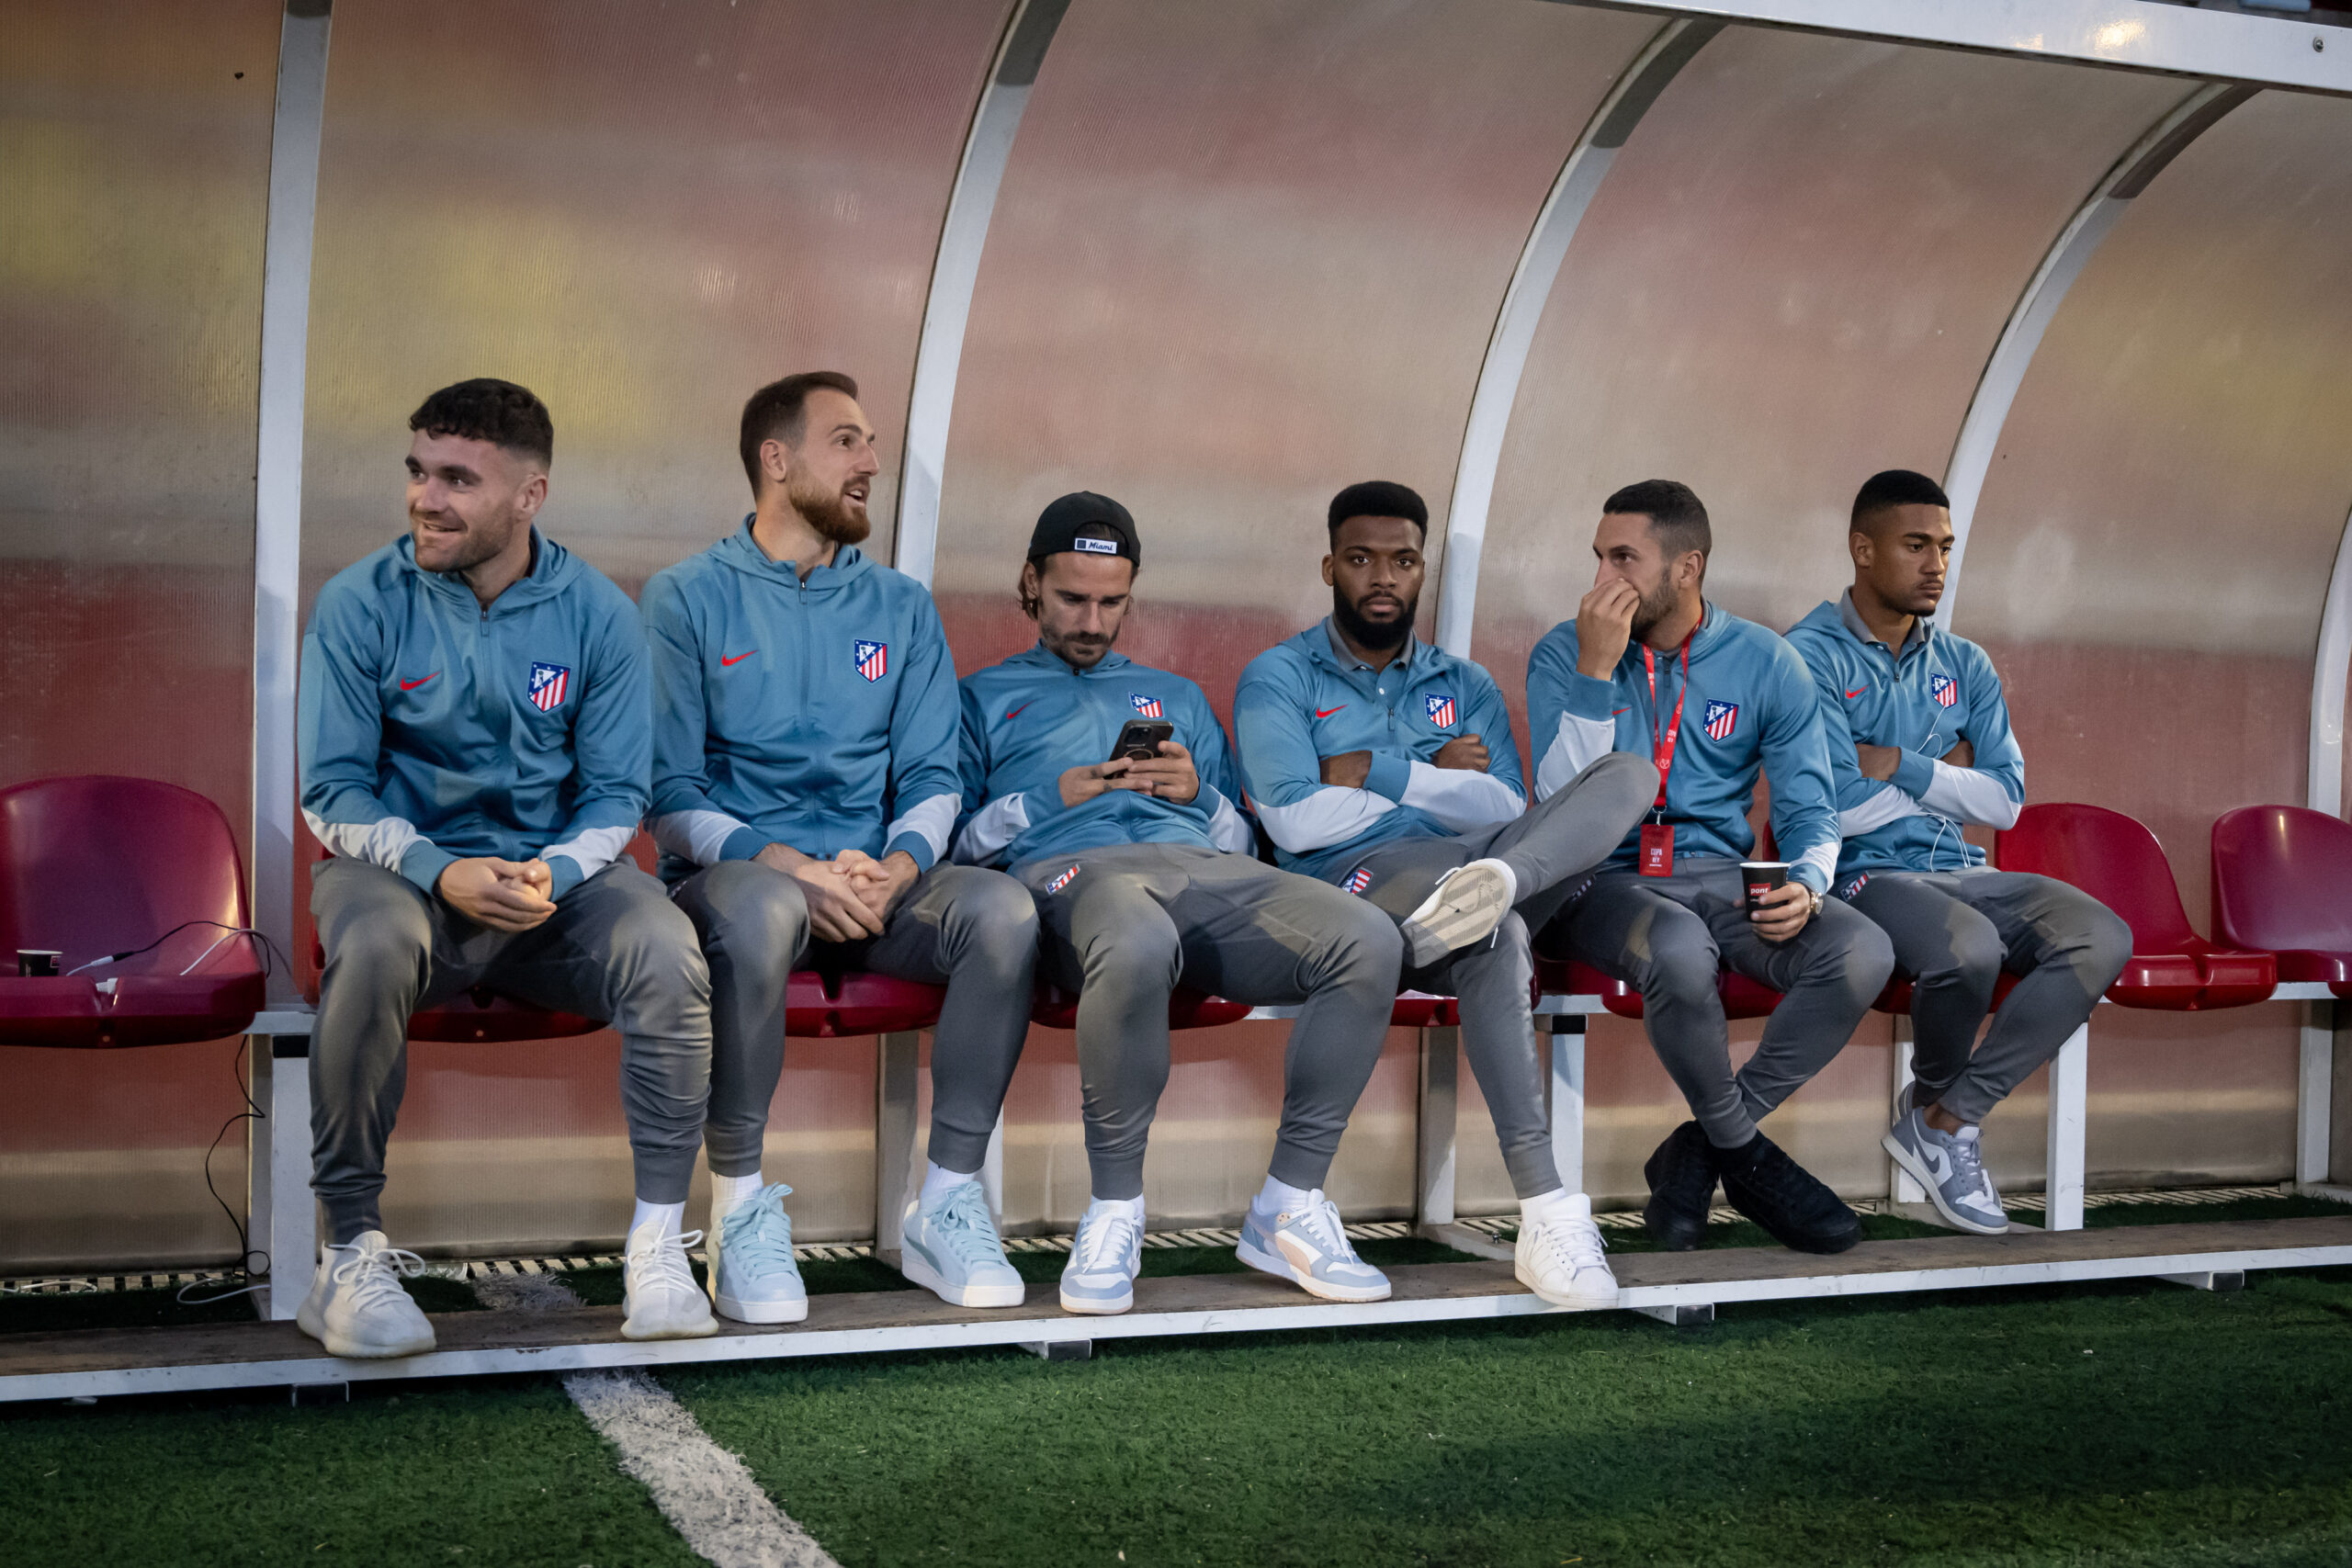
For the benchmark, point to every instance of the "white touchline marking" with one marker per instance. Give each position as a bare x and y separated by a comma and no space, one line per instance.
706,1493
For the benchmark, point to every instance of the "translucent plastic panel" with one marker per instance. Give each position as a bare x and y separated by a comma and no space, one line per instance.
641,212
1791,278
1246,254
2153,548
134,168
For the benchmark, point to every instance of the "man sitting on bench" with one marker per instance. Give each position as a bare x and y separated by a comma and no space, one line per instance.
1107,788
474,751
1919,745
804,785
1649,666
1387,766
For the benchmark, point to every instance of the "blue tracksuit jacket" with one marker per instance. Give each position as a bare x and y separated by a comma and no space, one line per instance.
1750,707
431,730
1938,690
1308,698
1032,718
817,715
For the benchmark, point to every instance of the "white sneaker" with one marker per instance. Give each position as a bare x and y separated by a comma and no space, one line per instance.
658,1294
1105,1258
357,1307
1560,1259
1466,906
1310,1248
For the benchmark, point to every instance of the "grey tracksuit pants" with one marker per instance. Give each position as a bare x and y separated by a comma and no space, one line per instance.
1549,849
1136,919
971,931
1954,931
1669,935
615,948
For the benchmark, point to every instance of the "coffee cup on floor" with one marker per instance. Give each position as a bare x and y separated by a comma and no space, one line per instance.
1759,879
38,963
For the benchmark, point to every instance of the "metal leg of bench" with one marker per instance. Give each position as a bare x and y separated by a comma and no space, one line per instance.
282,1219
2210,1279
2315,1094
1687,1314
1900,1188
1567,1086
1433,1182
2069,1126
894,1137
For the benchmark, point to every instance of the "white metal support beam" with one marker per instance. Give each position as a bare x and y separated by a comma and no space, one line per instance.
1996,388
2324,786
277,463
939,354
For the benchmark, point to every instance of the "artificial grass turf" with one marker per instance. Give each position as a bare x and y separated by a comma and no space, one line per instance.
480,1473
2136,1423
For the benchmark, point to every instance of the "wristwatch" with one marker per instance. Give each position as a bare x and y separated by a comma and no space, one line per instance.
1815,908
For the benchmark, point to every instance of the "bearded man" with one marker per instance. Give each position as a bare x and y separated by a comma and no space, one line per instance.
805,784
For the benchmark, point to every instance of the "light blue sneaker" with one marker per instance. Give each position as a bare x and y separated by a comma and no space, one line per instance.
753,1275
950,1248
1950,1166
1105,1258
1310,1248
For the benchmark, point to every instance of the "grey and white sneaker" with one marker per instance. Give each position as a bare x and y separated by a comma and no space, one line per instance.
1105,1258
1311,1250
1465,907
1950,1166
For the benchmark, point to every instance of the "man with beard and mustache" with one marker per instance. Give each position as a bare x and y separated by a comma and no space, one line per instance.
474,751
1650,668
1387,766
804,787
1919,745
1143,878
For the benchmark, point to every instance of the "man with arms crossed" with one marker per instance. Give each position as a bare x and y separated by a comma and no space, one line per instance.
1143,878
1387,766
1919,745
804,787
1650,667
474,751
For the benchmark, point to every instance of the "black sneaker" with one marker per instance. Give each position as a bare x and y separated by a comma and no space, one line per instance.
1681,1175
1787,1200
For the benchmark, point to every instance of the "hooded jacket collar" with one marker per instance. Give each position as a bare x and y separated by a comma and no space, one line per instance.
1045,658
553,569
742,552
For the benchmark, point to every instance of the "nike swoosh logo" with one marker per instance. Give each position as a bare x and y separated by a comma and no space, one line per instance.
1620,710
1939,1162
1856,693
1326,712
726,663
1024,708
412,685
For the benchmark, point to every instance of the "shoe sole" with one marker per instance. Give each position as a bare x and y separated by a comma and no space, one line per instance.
762,1312
1466,909
1085,1308
338,1346
1569,1303
922,1274
1917,1169
1282,1267
629,1330
1798,1241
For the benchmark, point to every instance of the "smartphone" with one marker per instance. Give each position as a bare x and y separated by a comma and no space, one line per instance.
1139,740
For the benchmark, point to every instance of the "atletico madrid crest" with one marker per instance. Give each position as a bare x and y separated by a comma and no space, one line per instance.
1438,705
1721,717
1145,707
1945,690
550,685
873,659
1061,880
1358,879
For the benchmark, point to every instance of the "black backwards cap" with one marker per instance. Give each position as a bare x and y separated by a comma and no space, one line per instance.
1061,527
1379,497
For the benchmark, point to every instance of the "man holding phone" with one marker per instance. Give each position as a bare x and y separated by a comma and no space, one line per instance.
1920,746
1648,666
804,789
1387,766
1106,788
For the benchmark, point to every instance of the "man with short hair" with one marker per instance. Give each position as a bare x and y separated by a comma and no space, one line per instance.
1387,766
1649,666
1920,746
804,787
474,746
1140,867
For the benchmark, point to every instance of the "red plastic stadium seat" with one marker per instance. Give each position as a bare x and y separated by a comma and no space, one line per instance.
1187,1009
2282,880
1743,997
1419,1009
2118,862
826,1007
92,866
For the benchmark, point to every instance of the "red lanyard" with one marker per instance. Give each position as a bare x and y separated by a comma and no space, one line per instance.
1662,746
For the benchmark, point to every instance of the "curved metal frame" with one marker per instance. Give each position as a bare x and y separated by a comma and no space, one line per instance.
1996,388
2323,788
1635,89
971,203
295,129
